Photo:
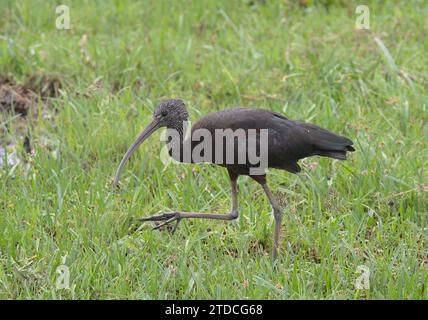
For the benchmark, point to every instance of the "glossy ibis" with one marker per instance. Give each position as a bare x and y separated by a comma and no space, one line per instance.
287,142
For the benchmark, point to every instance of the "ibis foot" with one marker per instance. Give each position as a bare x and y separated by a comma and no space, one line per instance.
177,216
167,218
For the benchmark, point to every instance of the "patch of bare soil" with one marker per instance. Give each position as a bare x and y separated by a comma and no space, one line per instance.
22,98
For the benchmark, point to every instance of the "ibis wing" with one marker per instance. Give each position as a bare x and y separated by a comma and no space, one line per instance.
288,140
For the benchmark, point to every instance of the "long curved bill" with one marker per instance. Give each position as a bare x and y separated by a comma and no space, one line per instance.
140,139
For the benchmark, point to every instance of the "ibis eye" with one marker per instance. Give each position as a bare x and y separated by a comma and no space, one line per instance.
164,113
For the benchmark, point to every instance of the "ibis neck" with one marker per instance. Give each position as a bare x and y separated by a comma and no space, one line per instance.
180,127
175,140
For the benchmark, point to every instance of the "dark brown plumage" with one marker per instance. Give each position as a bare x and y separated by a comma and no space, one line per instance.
288,142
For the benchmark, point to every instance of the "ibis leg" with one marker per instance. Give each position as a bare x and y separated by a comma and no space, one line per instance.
277,212
177,216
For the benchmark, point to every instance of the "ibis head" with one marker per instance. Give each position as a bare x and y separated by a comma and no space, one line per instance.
169,113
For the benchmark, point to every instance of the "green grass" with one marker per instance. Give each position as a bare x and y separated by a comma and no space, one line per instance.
310,64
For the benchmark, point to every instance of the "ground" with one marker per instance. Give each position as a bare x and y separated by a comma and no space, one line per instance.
89,90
